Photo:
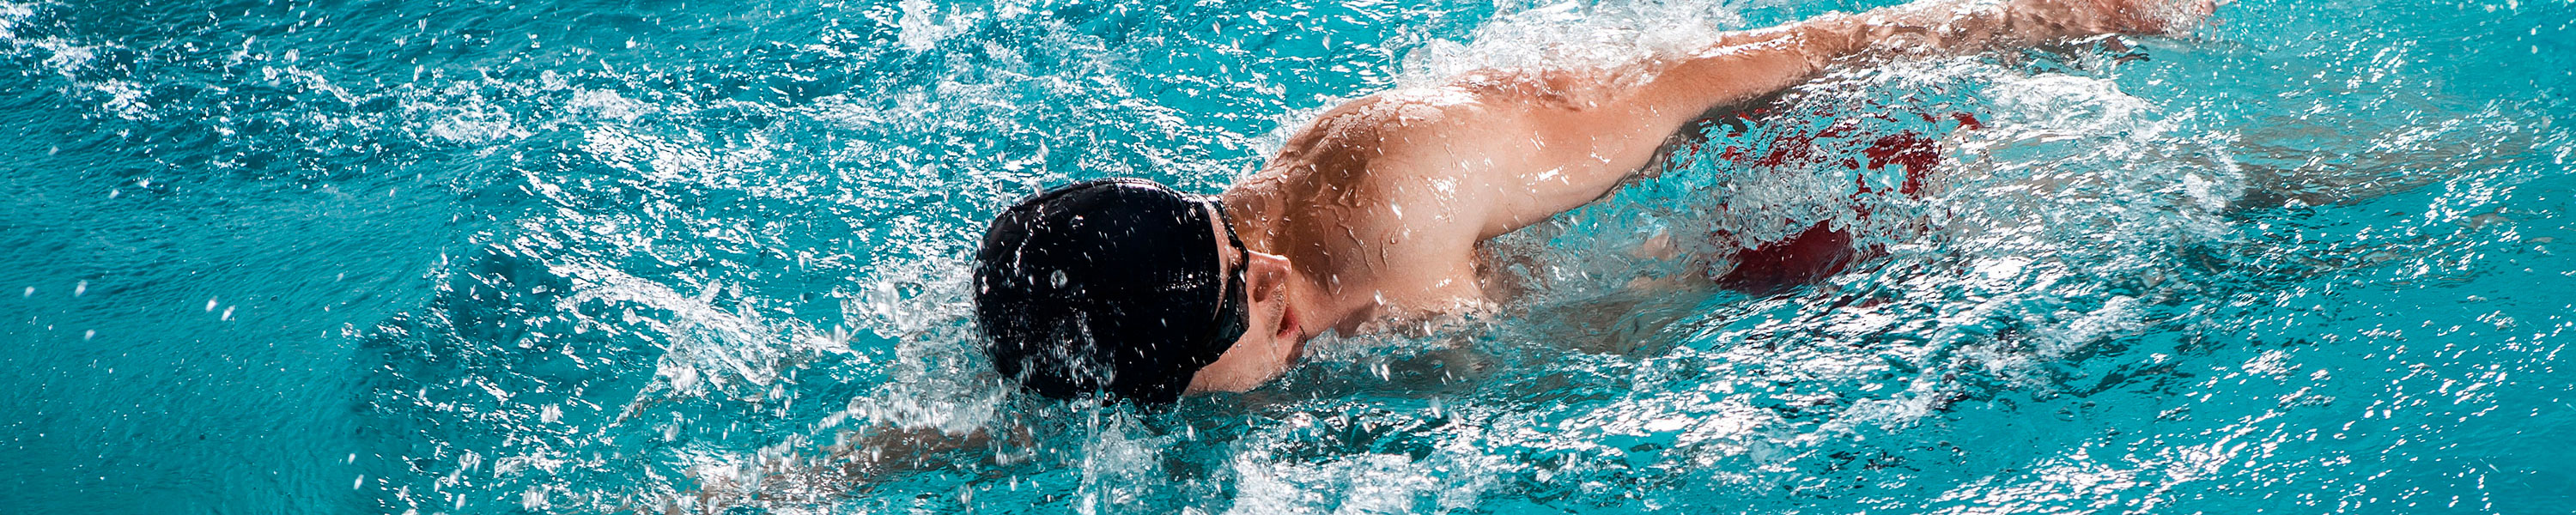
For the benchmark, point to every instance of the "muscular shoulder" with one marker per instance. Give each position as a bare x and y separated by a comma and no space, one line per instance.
1365,152
1386,124
1368,195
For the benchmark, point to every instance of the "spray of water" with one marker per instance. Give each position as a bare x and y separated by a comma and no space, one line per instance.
704,273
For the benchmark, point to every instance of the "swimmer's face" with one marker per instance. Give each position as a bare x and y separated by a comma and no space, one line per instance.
1272,342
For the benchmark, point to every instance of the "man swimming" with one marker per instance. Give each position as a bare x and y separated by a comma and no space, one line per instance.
1372,214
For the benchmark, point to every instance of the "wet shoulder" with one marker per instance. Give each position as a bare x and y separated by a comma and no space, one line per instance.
1365,152
1388,125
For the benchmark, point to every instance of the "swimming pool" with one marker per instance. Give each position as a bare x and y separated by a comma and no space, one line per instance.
572,257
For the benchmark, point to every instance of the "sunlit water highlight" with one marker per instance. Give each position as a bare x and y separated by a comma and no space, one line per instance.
579,257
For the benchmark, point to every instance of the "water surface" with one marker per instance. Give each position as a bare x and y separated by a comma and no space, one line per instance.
590,256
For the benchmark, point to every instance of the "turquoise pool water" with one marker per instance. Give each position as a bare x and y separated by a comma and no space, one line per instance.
656,256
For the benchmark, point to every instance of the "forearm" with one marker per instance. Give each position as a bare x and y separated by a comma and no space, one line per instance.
1968,26
1750,64
1746,65
1591,132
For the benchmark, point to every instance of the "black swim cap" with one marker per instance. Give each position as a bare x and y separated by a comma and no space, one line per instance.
1110,286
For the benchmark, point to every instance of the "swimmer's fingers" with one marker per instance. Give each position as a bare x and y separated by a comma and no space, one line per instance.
2158,16
2191,13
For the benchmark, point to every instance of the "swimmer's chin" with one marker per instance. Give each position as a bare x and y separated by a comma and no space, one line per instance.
1256,360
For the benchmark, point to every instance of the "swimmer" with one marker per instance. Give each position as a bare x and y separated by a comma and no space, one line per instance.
1371,216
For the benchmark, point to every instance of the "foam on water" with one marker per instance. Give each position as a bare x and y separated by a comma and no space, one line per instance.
469,258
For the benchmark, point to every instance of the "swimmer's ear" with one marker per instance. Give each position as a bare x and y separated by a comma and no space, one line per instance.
1267,277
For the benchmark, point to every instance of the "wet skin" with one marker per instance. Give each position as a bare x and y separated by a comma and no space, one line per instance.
1371,216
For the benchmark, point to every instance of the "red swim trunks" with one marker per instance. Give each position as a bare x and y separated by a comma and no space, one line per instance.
1823,250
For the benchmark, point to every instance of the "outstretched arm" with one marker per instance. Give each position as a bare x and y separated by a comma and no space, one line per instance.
1560,139
1386,198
